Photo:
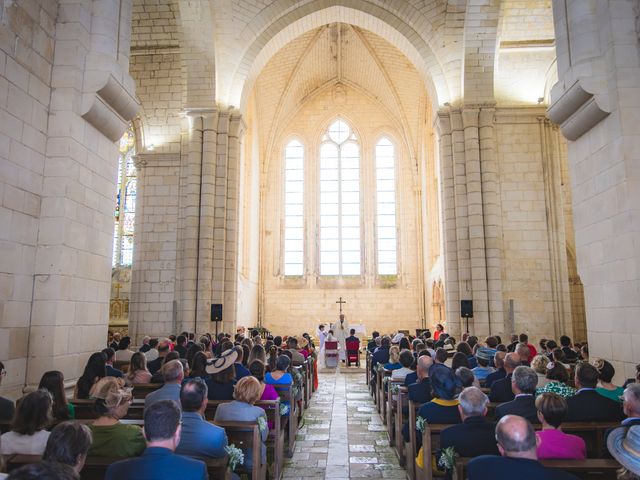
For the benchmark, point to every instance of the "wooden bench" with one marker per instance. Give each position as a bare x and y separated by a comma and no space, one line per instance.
95,468
392,408
290,422
141,390
246,435
403,398
590,469
591,432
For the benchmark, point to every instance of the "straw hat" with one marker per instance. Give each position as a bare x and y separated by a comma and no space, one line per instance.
302,342
112,391
624,444
222,362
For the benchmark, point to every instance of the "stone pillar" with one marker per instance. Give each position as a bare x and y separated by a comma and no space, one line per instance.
595,104
91,105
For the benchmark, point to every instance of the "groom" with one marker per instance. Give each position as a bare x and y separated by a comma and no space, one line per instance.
341,332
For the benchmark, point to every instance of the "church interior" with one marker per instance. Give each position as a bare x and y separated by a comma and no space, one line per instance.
280,162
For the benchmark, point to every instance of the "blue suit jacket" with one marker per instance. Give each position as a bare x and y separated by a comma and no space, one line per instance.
200,438
169,391
491,467
410,378
113,372
492,377
157,463
241,371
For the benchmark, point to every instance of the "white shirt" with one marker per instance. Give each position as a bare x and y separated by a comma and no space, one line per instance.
400,373
16,443
123,355
151,354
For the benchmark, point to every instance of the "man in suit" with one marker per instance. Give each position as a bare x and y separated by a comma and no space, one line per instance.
241,370
517,446
173,374
110,369
523,384
523,350
501,389
420,391
199,438
631,408
569,353
498,361
162,431
145,345
381,355
587,405
475,435
371,346
163,350
181,346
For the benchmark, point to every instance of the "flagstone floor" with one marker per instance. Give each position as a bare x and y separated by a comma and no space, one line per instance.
343,435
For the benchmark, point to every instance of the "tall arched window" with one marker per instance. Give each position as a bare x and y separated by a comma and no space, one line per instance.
125,201
339,201
386,207
294,208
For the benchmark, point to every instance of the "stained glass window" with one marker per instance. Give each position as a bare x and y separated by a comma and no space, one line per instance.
386,207
125,201
294,208
339,201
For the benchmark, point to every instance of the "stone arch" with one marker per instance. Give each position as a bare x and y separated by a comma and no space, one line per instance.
396,29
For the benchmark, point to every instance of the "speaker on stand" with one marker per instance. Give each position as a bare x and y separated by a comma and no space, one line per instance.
216,315
466,310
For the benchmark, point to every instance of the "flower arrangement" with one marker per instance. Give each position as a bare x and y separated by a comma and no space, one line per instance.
420,424
284,409
262,424
447,459
236,456
395,388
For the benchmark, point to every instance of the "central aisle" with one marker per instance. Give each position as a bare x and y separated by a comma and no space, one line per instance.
343,435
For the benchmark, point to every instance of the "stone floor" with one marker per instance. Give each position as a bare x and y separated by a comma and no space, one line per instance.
343,435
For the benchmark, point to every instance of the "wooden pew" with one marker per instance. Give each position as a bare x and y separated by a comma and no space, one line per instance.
411,449
247,435
403,397
95,467
141,390
286,395
392,407
590,469
591,432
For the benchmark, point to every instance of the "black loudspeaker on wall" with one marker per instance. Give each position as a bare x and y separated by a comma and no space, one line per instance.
216,312
466,308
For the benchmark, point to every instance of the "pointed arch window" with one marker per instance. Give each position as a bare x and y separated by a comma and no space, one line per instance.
125,211
294,209
386,207
340,201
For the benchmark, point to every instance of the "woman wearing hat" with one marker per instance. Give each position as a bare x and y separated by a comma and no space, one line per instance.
624,445
110,437
222,376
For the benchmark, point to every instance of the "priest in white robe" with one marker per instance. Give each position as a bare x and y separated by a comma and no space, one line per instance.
341,332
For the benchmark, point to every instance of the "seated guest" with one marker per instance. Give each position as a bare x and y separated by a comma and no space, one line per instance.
181,346
498,361
192,350
157,377
198,438
558,377
441,356
145,347
513,343
152,353
501,389
53,382
110,437
138,372
371,346
381,355
483,359
258,352
7,408
587,405
394,359
463,347
352,336
523,352
524,338
199,367
466,378
459,360
163,350
584,353
552,441
523,384
624,445
162,431
280,376
93,371
242,409
420,391
28,435
240,369
517,445
406,360
606,373
631,405
292,345
569,353
257,369
115,341
69,444
475,435
110,354
557,356
123,354
222,374
43,471
173,374
539,365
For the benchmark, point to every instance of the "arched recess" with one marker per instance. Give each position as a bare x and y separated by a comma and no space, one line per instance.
576,295
394,29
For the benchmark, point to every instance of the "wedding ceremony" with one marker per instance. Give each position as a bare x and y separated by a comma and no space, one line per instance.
319,239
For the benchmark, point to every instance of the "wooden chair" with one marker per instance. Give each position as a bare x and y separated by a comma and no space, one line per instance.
276,434
247,435
95,468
